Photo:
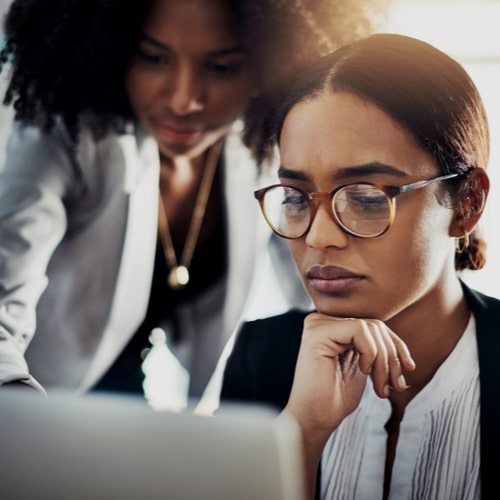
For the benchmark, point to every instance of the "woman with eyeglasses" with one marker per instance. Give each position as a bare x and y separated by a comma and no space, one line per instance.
392,379
126,197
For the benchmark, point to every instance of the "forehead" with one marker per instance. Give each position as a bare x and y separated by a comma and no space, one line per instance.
192,24
340,129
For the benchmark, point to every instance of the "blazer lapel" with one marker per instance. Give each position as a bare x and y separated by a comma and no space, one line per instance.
136,265
247,235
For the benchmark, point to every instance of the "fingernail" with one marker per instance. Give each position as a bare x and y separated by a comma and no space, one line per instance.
401,381
387,391
412,362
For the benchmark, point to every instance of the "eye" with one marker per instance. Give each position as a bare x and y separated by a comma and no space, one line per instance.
152,57
364,195
224,69
227,65
294,201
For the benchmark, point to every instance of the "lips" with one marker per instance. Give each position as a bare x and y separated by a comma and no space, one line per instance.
332,279
177,133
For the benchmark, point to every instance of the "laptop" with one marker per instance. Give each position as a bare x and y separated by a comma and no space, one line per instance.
106,447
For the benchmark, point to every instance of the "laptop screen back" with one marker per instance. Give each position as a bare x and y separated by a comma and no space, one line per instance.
102,447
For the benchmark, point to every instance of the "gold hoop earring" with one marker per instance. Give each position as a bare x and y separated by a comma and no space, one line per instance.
461,244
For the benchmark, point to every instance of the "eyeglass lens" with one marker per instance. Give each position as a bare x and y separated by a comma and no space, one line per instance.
362,209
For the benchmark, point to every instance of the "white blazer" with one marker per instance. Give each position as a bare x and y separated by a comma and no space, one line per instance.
77,243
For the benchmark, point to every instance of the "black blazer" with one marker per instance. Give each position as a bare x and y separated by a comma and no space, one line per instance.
261,366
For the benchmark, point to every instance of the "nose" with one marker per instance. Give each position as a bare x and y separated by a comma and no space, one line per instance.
325,231
186,92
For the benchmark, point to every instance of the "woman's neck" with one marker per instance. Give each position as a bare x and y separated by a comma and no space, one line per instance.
180,181
431,329
183,165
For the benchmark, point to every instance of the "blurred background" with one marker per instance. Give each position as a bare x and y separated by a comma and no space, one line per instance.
5,113
468,31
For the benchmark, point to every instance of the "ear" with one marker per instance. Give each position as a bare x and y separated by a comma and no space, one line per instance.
472,199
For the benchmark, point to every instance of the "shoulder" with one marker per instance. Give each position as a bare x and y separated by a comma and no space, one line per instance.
483,306
273,338
486,311
262,362
283,325
34,156
33,147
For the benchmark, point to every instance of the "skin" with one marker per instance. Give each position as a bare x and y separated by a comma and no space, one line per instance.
378,299
189,81
190,78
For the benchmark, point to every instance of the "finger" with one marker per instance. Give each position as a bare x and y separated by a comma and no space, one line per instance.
382,354
362,340
397,379
407,362
381,366
338,335
399,360
357,334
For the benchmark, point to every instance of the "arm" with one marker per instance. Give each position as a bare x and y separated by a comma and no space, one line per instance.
314,368
336,356
35,185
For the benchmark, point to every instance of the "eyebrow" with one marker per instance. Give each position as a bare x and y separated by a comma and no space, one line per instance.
366,170
223,52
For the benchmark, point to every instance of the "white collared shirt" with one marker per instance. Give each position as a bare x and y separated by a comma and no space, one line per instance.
437,455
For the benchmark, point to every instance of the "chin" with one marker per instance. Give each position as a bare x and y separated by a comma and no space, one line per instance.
330,307
189,150
339,307
174,150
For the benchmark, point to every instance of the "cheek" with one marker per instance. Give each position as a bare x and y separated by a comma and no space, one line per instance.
418,246
139,87
224,112
230,100
133,85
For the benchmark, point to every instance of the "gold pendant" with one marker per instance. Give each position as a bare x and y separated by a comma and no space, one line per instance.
178,277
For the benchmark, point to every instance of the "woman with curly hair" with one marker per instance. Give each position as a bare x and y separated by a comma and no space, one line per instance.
125,200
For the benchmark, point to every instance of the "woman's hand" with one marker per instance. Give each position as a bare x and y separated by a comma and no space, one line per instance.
336,356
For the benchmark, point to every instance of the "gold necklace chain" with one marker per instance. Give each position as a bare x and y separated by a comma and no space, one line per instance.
178,276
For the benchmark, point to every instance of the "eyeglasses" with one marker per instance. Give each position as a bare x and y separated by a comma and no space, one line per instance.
362,209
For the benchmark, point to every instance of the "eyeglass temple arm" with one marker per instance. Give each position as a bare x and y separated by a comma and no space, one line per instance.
420,184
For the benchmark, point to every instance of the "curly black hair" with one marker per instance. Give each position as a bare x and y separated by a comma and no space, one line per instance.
70,57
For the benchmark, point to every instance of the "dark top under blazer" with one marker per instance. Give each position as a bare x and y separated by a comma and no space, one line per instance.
262,363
